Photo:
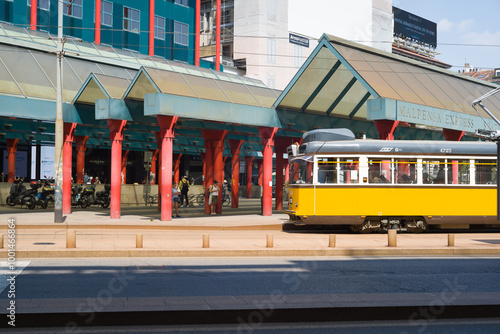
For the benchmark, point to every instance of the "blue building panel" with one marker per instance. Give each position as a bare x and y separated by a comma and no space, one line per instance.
19,12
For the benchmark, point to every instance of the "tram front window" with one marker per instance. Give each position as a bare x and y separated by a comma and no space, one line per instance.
486,172
301,171
327,170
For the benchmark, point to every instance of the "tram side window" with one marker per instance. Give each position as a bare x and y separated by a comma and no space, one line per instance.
379,171
301,172
486,172
349,172
433,171
458,171
327,170
405,171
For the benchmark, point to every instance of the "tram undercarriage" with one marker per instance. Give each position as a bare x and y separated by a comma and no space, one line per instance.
404,224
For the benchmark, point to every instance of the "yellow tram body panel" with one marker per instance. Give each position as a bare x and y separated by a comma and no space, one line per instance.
433,201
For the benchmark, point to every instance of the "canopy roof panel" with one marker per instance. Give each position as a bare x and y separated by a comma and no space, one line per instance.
222,88
324,87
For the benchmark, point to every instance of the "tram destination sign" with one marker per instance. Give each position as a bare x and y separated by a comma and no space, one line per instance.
424,115
299,40
414,27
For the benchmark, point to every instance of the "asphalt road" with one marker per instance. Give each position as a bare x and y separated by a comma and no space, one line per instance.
174,277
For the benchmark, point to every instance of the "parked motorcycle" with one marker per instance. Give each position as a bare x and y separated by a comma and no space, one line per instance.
76,197
47,194
102,198
19,194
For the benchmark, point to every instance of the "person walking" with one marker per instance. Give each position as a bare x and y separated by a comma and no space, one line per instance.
175,200
184,188
214,196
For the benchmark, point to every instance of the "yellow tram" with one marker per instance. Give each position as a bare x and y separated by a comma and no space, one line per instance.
372,185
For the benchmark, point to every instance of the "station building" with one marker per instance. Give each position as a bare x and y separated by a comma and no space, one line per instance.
120,104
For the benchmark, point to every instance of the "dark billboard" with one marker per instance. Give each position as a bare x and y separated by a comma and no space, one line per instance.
414,27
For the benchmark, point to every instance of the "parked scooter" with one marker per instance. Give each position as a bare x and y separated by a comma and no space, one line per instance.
47,194
102,198
20,195
77,198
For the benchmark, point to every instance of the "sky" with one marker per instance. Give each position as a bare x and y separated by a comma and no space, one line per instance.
468,31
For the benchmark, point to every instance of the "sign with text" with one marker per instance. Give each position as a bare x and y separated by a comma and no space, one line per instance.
299,40
414,27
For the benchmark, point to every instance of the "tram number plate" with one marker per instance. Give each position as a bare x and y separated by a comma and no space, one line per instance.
446,150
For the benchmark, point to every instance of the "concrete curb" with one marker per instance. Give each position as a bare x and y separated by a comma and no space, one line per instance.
275,227
67,253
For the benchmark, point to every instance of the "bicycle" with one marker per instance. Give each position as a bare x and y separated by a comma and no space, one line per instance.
152,200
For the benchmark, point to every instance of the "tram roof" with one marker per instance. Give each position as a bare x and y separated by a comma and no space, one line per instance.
400,147
341,78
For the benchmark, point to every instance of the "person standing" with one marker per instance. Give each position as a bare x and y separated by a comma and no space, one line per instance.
214,196
184,188
175,200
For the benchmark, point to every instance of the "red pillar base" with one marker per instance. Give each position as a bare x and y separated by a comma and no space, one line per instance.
69,131
11,150
167,125
249,163
235,179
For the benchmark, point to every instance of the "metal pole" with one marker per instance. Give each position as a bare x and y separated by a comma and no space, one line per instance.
58,214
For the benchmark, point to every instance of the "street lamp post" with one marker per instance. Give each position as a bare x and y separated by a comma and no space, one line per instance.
58,205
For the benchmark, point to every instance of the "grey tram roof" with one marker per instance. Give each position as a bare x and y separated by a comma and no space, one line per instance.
339,141
340,77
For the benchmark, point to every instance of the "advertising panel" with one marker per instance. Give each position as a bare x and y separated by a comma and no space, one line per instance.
414,27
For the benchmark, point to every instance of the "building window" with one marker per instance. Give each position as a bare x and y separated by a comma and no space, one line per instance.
160,27
181,33
131,20
271,50
182,2
42,4
73,8
107,13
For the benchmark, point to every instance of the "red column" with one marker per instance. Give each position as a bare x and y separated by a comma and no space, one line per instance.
151,27
453,135
116,135
12,149
123,173
454,172
287,172
217,36
214,145
249,163
81,148
167,125
69,131
386,128
34,12
235,179
98,21
153,170
177,164
267,135
209,170
197,34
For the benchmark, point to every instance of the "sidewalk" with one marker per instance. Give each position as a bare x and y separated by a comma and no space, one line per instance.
247,235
